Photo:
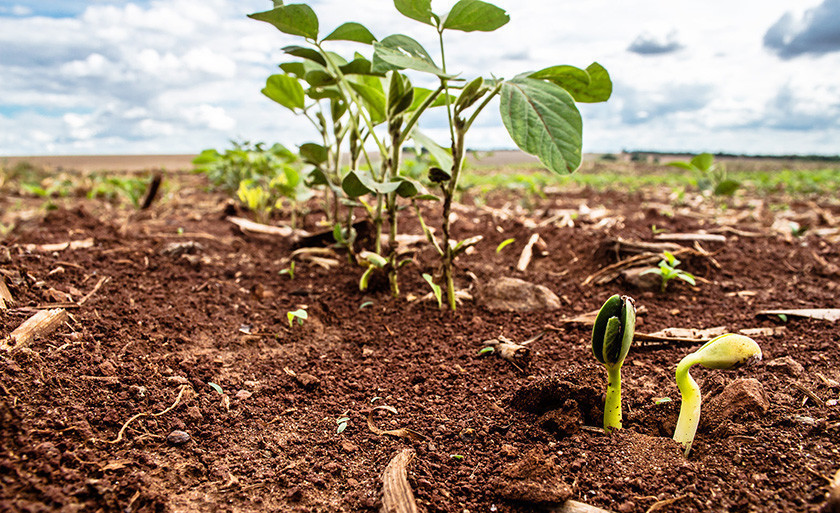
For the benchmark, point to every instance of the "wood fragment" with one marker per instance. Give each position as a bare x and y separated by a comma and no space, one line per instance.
397,496
763,332
823,314
527,253
517,354
102,281
571,506
832,505
690,237
61,246
6,299
42,323
663,503
814,397
400,433
247,225
151,191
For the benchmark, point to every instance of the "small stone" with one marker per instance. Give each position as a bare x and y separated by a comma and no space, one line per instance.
107,368
242,395
307,381
740,398
515,295
5,255
178,437
509,450
788,365
349,446
178,380
535,479
351,483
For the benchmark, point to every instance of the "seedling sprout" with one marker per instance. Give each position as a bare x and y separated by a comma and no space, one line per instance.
723,352
612,336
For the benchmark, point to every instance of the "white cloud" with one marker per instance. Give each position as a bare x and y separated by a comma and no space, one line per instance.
181,75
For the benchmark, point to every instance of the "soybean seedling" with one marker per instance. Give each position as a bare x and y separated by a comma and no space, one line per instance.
611,339
723,352
667,270
299,314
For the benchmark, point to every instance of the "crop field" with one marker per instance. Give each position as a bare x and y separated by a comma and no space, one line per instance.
176,375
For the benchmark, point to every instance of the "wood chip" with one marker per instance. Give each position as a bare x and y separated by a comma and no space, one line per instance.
690,237
42,323
527,253
397,496
763,332
401,433
61,246
6,299
823,314
247,225
571,506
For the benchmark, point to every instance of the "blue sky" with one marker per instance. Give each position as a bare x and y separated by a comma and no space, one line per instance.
177,76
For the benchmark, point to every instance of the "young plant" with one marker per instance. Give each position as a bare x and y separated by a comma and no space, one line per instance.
612,336
436,290
723,352
289,270
300,315
537,108
712,175
667,271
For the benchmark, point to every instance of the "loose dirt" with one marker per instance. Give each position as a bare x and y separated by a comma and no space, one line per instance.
196,337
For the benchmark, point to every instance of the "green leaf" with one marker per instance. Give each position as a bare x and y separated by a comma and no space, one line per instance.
305,53
588,86
471,15
504,243
542,119
312,153
703,162
321,93
687,277
351,31
470,94
727,188
294,19
358,183
216,387
207,157
407,188
420,95
294,68
358,66
610,309
443,158
403,52
683,165
374,100
420,10
319,78
285,90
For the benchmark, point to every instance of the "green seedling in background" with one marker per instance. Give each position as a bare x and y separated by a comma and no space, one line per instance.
667,270
289,270
436,290
723,352
503,244
612,336
712,175
299,314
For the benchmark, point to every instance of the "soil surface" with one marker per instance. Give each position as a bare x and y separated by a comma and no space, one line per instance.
179,384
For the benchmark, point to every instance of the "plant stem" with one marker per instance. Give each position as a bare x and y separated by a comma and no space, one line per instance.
689,417
612,405
392,214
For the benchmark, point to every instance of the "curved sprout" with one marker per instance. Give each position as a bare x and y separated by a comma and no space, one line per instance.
612,336
723,352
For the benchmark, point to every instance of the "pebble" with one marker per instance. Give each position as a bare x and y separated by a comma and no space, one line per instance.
788,365
349,446
243,395
178,437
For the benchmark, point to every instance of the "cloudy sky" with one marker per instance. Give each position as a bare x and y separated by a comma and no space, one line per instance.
178,76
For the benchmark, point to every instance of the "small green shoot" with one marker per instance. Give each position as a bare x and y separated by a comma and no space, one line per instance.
668,271
657,230
365,305
712,175
612,336
300,314
289,270
217,388
504,243
723,352
342,422
436,290
373,261
458,457
486,350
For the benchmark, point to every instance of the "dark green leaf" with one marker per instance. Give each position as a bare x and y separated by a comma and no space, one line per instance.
407,188
285,90
426,197
612,341
353,186
312,153
351,31
305,53
420,95
319,78
438,175
294,19
469,94
320,93
471,15
317,177
358,66
542,119
420,10
403,52
441,156
683,165
611,308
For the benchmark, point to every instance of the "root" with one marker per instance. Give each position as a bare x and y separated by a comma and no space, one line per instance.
120,435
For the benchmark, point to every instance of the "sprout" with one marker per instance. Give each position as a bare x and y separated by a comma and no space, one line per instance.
611,339
722,352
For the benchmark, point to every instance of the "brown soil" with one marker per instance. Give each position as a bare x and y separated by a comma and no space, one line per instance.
264,436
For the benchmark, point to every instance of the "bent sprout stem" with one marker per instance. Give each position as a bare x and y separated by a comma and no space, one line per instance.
612,336
723,352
